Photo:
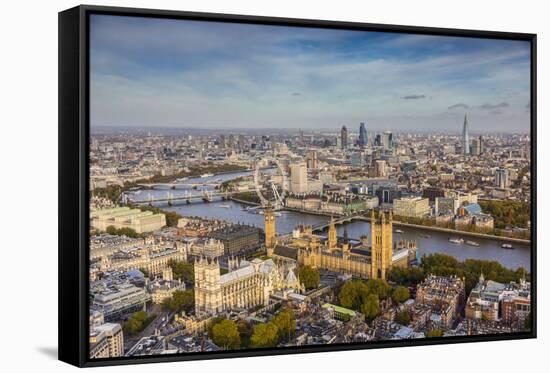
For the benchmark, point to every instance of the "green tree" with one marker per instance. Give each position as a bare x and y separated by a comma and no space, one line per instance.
180,301
434,333
285,323
182,271
145,272
225,334
128,232
264,335
371,307
215,320
137,322
379,287
400,294
245,331
406,276
353,293
309,276
403,318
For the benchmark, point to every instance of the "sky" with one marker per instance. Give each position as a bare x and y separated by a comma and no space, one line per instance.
149,72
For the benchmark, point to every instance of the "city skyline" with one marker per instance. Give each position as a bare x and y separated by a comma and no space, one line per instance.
221,75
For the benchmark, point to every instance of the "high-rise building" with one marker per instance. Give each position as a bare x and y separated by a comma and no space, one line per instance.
501,178
269,220
363,139
476,146
465,137
298,177
344,137
387,140
481,150
380,168
312,159
381,245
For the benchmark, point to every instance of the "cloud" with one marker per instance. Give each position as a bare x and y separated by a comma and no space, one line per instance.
458,106
496,106
413,97
153,72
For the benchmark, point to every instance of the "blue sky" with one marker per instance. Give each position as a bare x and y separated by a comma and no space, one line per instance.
148,72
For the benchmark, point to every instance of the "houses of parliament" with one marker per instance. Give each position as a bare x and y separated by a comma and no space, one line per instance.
340,255
251,283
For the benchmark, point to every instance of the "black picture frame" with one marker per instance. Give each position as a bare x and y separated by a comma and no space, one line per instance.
74,181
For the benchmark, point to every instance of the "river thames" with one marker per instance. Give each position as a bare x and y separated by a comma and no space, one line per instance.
428,241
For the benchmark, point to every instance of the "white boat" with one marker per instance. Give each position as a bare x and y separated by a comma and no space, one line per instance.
507,246
207,175
277,214
225,206
457,241
472,243
399,231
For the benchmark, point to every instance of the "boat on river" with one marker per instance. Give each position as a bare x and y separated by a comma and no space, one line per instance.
399,231
472,243
507,246
225,206
456,241
207,175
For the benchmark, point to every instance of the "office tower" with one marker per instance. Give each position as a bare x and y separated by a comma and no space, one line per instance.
465,137
298,177
362,135
481,150
380,168
501,178
385,140
476,146
344,137
222,141
240,142
312,159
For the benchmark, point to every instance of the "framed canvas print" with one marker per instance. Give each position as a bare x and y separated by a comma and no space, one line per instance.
235,186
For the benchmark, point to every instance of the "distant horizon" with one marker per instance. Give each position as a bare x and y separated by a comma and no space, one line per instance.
335,130
169,73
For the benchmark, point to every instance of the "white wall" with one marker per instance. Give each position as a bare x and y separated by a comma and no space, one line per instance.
28,146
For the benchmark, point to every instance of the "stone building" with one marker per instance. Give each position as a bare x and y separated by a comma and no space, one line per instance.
209,248
342,256
165,287
445,296
237,238
106,340
153,257
494,301
248,285
124,217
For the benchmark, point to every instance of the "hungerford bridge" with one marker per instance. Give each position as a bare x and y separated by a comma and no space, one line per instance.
170,198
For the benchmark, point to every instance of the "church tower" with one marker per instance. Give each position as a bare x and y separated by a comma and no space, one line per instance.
269,220
381,244
332,239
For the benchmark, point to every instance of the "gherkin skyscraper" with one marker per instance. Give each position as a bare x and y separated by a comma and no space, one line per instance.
465,137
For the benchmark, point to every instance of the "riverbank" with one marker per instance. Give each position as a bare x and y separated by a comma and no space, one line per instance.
425,227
